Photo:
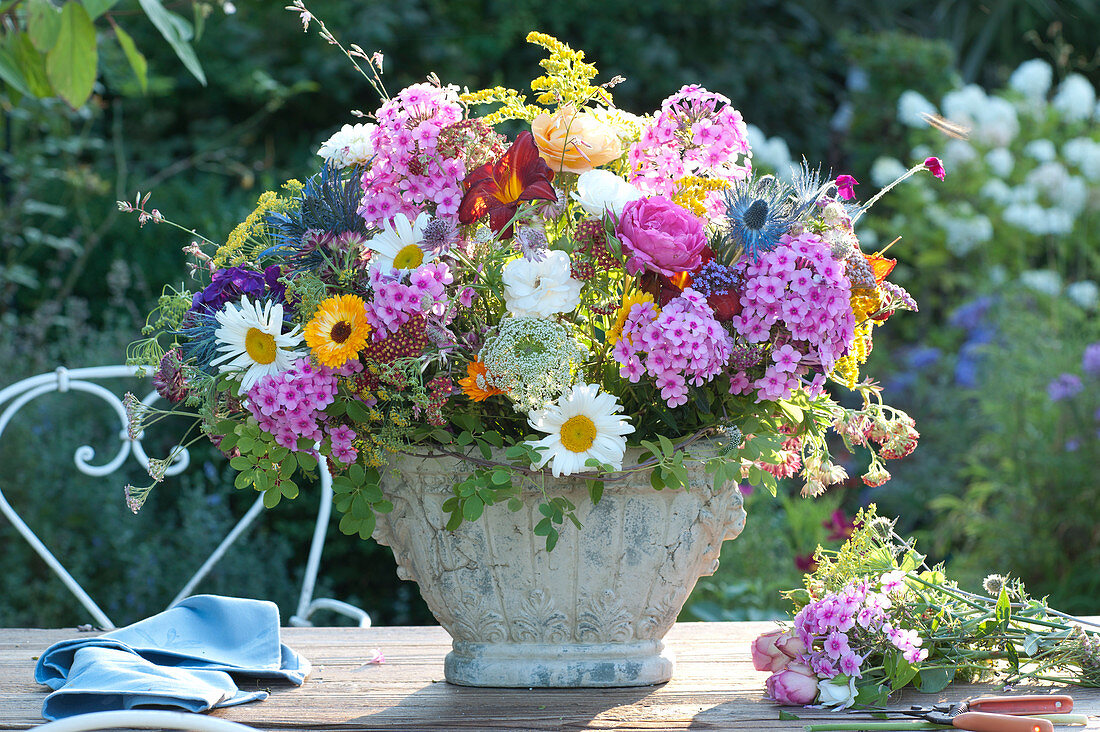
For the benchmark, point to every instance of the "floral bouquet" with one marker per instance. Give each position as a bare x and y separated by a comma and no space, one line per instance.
536,303
874,617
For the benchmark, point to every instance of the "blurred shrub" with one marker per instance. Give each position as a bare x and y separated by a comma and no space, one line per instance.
1006,482
1022,193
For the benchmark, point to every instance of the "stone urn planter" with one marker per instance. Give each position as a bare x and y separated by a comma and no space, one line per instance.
590,613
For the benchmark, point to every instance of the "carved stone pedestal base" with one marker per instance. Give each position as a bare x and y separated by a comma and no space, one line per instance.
590,613
569,665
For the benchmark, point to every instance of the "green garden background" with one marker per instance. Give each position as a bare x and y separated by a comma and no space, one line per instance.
205,105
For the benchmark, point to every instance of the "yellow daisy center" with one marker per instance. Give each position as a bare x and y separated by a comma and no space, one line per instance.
578,433
260,346
410,257
340,332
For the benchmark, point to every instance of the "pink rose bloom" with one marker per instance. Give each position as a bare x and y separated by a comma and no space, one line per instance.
773,651
795,685
661,236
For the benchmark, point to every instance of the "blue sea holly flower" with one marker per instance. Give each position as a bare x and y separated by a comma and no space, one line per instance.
759,213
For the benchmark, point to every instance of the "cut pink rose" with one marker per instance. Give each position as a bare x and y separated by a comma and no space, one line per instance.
795,685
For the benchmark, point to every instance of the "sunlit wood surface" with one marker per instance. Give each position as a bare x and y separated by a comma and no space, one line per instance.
715,688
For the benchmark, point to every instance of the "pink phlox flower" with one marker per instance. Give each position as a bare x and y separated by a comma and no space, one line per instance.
827,612
632,369
823,666
289,394
739,383
893,581
344,453
342,434
836,643
786,358
850,663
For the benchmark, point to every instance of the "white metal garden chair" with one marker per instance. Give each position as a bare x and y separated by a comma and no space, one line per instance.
84,380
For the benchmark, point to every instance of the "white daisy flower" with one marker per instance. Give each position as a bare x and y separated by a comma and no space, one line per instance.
400,244
583,424
251,340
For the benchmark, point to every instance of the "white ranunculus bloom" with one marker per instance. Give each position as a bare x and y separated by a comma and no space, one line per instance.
541,289
599,191
837,693
1076,99
1032,78
584,423
351,145
912,106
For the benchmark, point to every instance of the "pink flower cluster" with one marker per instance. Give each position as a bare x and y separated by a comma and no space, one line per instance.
795,296
290,405
342,437
394,302
836,628
408,170
683,343
696,131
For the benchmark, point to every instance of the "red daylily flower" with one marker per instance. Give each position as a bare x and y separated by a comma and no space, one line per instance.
498,188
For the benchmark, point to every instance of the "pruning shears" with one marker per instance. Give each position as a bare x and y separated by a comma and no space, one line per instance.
997,713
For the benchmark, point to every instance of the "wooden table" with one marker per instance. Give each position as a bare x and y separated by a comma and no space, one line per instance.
715,688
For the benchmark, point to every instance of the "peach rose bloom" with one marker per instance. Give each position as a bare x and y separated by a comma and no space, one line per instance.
574,141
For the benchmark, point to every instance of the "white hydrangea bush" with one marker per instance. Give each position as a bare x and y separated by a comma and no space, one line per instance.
1022,194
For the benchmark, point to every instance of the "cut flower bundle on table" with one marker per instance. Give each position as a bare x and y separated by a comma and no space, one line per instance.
601,281
874,618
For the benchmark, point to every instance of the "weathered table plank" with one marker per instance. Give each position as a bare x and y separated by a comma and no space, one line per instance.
715,688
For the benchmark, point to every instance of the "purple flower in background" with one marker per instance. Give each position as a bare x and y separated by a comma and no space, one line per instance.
968,365
922,357
970,315
1065,386
1090,361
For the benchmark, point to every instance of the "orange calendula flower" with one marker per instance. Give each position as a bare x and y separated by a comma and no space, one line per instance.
498,188
339,330
476,385
880,266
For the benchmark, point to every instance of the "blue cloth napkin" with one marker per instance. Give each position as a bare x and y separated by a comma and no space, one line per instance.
182,657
